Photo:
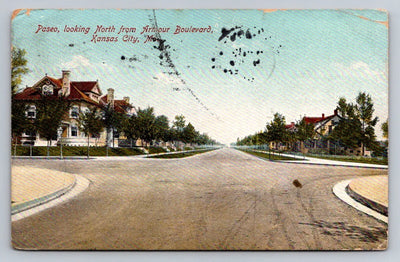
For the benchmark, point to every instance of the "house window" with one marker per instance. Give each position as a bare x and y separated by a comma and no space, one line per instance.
29,133
74,131
75,112
31,112
330,130
47,90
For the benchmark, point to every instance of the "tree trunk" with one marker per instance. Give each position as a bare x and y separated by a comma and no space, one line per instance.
88,146
107,137
362,149
15,146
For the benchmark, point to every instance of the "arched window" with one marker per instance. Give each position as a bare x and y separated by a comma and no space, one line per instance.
74,131
31,112
75,112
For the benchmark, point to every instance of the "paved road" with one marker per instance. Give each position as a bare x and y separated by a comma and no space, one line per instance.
224,199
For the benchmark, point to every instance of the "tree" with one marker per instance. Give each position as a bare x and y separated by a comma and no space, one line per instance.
348,130
275,130
50,111
189,134
385,129
19,121
18,68
161,128
304,132
178,125
145,124
112,121
364,110
129,128
356,127
90,123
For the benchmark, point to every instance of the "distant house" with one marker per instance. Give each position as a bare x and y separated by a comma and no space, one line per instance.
323,126
82,95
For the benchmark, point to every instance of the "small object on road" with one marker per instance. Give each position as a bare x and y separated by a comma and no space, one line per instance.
297,183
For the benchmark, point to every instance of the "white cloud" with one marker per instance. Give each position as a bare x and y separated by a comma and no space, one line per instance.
360,70
76,61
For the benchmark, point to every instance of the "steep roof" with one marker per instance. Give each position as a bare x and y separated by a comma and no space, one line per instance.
120,106
84,86
77,90
314,120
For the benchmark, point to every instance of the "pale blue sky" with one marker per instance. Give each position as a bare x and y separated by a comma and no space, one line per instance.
309,59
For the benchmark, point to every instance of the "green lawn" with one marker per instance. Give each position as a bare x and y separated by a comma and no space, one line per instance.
181,155
76,151
355,159
268,156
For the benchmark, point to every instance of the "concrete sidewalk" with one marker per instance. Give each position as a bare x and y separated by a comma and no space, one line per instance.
371,191
31,187
367,194
320,161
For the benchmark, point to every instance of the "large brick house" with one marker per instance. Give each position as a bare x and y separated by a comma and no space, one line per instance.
82,95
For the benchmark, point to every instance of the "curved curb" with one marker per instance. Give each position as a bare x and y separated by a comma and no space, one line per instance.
340,190
41,200
367,202
40,204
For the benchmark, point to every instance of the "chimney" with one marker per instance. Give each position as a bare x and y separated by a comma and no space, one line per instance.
110,96
126,99
66,84
335,112
323,115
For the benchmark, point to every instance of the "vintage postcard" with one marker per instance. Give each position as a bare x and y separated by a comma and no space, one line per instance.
199,129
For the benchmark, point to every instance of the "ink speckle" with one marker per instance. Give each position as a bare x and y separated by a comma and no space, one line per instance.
248,34
122,57
232,63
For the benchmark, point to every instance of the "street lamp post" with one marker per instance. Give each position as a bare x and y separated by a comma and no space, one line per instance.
59,133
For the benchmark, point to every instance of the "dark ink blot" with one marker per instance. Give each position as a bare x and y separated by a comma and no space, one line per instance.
256,62
248,34
213,67
244,53
213,59
233,37
240,33
71,45
232,63
221,53
225,70
225,32
122,57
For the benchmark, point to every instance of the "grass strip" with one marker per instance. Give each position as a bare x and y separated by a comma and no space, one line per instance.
365,160
76,151
180,155
268,156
